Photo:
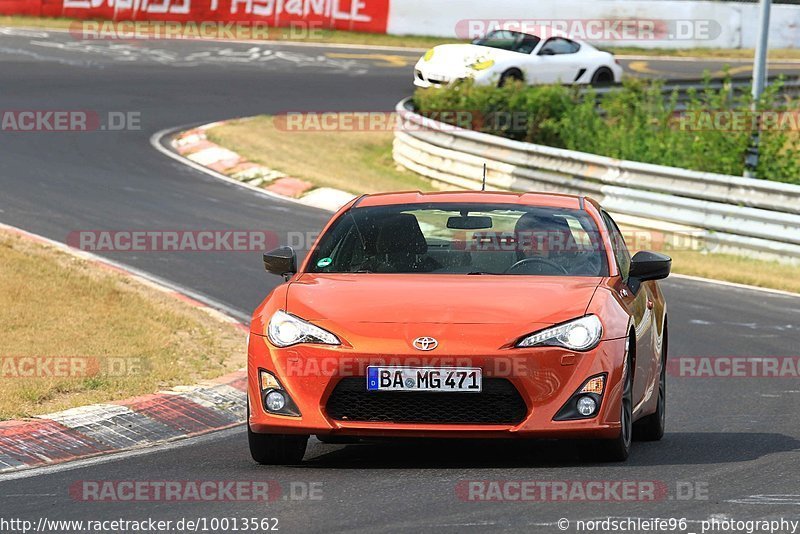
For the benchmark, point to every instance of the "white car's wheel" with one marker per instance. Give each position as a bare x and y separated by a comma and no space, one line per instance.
510,76
603,76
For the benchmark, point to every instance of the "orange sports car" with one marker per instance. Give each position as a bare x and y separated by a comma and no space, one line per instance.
468,314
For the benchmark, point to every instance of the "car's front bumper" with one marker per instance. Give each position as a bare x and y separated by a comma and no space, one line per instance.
546,378
433,75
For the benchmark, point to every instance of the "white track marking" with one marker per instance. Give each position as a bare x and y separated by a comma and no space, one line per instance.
122,455
735,285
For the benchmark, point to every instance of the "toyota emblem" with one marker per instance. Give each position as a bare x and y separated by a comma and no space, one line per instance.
425,343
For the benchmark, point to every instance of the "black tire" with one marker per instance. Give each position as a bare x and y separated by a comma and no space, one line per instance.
276,449
651,427
603,76
619,448
510,76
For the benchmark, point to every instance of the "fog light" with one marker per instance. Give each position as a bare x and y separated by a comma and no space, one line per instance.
275,401
586,406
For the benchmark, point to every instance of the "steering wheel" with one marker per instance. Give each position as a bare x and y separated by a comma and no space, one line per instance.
532,259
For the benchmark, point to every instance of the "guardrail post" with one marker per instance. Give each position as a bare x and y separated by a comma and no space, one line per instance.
759,77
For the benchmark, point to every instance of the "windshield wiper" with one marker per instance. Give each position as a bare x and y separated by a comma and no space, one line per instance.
475,273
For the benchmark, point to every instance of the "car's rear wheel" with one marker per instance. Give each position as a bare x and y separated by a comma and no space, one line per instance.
619,448
276,449
510,76
603,76
651,427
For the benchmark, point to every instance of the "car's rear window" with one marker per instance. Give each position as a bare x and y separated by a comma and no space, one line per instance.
462,239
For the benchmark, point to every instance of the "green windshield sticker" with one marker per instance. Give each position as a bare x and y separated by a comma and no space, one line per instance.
324,262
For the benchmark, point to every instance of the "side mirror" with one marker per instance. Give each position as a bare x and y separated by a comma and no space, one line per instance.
281,261
646,265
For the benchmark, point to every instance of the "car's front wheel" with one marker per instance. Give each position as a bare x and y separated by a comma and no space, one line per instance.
619,448
651,427
510,76
276,449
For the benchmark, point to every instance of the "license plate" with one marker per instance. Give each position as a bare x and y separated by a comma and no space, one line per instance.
433,76
444,379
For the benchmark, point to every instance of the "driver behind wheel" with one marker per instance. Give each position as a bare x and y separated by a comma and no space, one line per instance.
546,245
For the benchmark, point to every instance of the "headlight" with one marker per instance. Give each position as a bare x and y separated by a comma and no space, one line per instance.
580,334
428,55
285,329
482,65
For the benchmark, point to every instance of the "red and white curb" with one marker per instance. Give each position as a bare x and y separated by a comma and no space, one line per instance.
97,429
193,145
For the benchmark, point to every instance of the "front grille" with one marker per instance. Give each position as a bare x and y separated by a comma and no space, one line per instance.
499,403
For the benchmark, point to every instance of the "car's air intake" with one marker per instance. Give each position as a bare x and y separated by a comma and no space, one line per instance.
498,404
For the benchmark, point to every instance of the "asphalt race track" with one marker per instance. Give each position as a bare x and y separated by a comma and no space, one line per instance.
734,442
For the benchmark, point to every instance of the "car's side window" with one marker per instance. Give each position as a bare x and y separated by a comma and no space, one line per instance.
621,253
559,45
528,44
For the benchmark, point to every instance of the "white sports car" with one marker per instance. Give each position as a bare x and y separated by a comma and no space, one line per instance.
504,55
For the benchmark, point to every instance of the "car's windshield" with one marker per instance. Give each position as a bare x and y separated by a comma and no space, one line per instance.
508,40
462,239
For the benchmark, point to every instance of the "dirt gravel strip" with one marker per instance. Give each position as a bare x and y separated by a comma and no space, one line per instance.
97,429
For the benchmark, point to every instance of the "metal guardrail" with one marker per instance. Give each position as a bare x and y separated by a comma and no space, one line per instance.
734,214
790,88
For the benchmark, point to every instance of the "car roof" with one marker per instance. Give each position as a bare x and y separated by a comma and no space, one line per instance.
552,33
553,200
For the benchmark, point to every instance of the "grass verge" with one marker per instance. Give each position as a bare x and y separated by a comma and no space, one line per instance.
421,41
737,269
362,163
359,162
107,336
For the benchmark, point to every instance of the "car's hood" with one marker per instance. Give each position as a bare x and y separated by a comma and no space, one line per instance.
444,299
466,54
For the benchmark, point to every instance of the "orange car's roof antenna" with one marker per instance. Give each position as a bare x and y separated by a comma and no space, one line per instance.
483,186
